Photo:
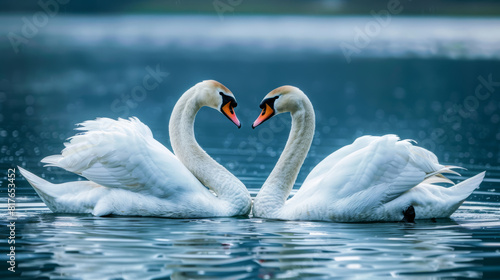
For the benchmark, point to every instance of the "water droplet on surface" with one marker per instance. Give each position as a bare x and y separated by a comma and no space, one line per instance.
29,111
270,151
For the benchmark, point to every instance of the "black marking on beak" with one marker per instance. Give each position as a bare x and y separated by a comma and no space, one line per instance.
269,101
228,103
266,104
226,99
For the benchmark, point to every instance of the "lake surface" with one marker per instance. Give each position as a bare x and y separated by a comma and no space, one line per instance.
418,78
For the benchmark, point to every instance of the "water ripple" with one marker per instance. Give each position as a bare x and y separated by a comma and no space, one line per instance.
52,245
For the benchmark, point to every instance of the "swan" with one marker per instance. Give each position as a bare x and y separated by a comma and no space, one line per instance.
130,173
374,179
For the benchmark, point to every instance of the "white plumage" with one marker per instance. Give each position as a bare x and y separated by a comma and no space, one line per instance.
373,179
130,173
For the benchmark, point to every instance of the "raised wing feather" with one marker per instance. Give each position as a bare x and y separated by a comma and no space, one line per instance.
123,154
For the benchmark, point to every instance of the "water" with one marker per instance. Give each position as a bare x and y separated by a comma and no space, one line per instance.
421,87
64,246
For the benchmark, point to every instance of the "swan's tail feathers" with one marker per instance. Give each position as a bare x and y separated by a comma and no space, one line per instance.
71,197
448,169
41,186
428,162
52,160
437,179
464,189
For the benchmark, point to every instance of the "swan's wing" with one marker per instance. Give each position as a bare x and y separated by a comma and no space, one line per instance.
326,164
123,154
378,172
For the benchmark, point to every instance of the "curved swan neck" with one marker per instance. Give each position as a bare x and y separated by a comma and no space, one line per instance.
181,125
273,194
210,173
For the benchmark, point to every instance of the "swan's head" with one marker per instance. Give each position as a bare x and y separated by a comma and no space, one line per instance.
219,97
280,100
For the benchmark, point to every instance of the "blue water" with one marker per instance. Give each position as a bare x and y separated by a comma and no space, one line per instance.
417,78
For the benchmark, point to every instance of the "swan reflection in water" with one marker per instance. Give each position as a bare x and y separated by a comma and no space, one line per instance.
229,248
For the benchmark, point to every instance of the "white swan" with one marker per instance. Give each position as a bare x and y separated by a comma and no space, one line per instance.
373,179
130,173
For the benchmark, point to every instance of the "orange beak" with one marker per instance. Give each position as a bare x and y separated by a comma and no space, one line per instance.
228,111
267,113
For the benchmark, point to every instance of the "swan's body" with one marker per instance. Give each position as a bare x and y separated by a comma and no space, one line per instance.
373,179
130,173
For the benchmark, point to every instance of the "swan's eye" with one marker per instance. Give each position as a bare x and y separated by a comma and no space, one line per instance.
221,93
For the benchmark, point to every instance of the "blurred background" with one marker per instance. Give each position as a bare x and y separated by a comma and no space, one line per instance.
300,7
425,70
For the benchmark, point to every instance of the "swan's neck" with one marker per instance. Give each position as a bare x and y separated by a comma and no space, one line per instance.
273,194
210,173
